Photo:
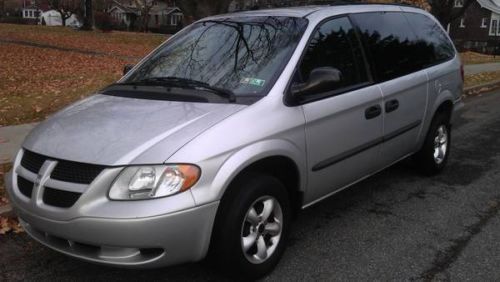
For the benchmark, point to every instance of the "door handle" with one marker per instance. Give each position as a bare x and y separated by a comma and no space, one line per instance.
373,112
391,106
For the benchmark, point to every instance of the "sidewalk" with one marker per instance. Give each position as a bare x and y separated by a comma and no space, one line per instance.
478,68
11,138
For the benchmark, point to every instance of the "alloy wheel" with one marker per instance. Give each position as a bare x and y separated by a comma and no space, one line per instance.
261,229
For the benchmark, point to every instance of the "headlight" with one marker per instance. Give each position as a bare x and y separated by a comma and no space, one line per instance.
148,182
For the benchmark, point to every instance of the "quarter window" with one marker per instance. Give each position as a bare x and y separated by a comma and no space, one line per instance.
335,44
392,44
432,38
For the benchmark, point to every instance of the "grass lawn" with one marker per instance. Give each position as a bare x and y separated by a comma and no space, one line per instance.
36,82
471,58
116,43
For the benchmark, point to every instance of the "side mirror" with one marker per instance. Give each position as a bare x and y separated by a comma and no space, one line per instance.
320,80
127,68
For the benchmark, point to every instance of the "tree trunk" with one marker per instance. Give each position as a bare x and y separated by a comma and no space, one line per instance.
445,12
88,18
63,18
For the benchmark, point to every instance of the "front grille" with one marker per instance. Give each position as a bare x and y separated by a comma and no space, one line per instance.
59,198
67,171
76,172
25,186
32,161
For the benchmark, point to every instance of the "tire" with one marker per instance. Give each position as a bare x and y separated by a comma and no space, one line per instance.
233,222
433,156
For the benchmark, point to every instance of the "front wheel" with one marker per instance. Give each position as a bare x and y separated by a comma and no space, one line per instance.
251,228
433,156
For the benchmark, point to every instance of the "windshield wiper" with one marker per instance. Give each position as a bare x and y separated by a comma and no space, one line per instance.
184,82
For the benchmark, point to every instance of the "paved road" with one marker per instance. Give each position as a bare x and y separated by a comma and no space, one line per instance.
473,69
396,225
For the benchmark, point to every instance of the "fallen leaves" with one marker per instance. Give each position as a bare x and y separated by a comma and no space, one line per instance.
8,224
36,82
115,43
47,80
3,196
481,78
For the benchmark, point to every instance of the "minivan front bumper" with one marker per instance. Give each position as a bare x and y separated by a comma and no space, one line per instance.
144,242
154,238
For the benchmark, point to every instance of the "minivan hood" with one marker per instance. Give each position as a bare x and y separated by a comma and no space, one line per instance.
111,130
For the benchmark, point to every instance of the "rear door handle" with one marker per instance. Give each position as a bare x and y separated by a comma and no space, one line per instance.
373,112
391,106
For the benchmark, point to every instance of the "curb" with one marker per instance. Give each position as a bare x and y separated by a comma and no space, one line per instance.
478,89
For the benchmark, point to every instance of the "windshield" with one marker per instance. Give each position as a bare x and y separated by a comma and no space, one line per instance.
243,55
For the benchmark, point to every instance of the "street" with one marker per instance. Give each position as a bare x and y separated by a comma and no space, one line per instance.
396,225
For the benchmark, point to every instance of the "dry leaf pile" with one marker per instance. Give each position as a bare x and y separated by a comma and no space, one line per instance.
8,224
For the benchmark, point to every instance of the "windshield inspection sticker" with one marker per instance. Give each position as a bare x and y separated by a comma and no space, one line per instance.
253,81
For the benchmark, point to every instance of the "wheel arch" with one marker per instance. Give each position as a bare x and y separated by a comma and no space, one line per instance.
442,104
278,158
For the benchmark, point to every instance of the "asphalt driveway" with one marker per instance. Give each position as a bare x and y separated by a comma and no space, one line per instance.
396,225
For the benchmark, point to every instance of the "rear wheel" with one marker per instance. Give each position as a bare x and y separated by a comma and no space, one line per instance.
433,156
251,228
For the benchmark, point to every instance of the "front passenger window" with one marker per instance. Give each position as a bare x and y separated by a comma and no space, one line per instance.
334,46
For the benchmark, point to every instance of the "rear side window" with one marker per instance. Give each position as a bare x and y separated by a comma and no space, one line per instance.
432,35
335,44
393,46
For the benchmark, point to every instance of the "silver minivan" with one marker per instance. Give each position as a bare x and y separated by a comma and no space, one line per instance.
212,143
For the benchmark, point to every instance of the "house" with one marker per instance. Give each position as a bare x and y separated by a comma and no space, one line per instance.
53,18
479,28
162,16
39,12
32,10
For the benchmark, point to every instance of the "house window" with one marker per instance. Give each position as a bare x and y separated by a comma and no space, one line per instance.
484,22
493,27
462,23
459,3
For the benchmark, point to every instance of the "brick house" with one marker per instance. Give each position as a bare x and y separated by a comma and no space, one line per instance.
479,28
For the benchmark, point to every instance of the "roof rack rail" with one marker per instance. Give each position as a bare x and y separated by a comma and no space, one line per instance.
344,2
